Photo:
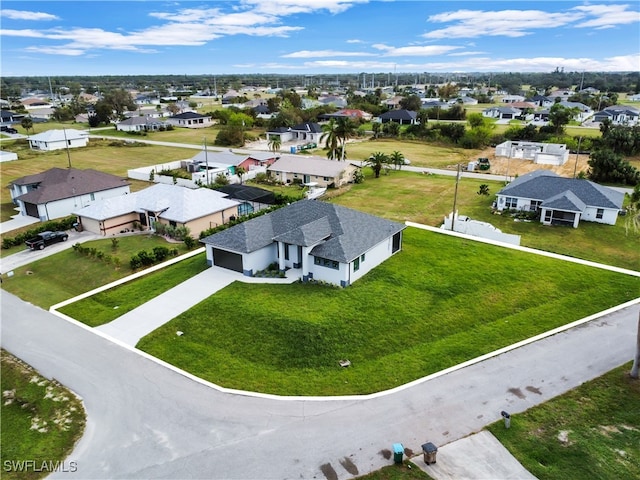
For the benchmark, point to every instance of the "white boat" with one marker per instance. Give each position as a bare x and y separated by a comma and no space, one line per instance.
314,191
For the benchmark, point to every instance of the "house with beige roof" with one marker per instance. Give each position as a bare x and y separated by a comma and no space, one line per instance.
326,173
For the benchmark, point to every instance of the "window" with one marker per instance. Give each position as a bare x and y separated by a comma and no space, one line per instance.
535,205
362,258
600,213
511,202
325,262
547,216
286,251
356,264
173,224
92,196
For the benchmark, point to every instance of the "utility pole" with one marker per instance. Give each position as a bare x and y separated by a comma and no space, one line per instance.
455,199
206,158
575,167
66,143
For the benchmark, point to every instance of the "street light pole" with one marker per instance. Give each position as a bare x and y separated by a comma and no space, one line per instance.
575,167
455,199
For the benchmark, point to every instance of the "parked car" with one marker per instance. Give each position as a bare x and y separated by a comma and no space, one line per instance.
46,238
6,129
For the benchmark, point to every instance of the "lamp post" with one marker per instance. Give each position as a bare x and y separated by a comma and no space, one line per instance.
575,167
455,199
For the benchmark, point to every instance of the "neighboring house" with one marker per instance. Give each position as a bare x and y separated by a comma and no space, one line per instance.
353,114
197,210
303,132
401,116
58,139
464,100
502,113
57,192
618,115
190,120
7,117
251,199
45,113
227,162
35,102
139,124
512,98
326,173
584,111
326,242
428,103
338,102
634,98
542,153
540,101
393,102
560,200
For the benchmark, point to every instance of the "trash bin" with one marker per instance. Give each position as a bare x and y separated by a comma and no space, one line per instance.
429,451
293,149
507,419
398,452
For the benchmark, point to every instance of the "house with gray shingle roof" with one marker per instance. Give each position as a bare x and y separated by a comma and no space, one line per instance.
324,241
197,209
560,200
58,139
57,192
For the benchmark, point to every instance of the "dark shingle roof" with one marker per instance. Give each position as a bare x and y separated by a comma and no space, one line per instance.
247,193
348,233
399,115
308,127
545,185
60,183
188,116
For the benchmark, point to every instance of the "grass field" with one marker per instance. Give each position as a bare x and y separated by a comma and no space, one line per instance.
439,302
67,274
592,431
41,420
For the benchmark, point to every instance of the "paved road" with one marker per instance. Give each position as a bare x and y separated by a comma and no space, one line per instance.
149,421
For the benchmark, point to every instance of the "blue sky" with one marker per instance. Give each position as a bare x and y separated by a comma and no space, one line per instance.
316,36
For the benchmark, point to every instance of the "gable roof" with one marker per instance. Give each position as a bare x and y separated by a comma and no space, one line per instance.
176,203
60,183
546,186
343,233
226,157
307,127
317,166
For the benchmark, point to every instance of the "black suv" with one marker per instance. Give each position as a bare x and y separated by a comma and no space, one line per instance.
7,129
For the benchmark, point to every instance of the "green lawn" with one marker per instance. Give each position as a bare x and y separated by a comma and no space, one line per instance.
441,301
592,431
66,274
427,199
41,420
109,305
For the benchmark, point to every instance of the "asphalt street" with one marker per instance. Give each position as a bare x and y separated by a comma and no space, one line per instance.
150,421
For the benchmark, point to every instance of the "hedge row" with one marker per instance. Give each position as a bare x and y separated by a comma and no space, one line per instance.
56,225
145,259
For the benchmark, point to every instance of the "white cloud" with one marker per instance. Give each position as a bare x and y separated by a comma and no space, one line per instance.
355,41
325,53
417,50
294,7
607,16
507,23
26,15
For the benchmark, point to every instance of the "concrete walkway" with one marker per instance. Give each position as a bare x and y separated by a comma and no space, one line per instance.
16,222
133,325
476,457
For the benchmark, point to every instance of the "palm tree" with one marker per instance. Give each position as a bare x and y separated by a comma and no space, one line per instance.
330,137
397,159
377,161
346,130
27,124
240,171
275,143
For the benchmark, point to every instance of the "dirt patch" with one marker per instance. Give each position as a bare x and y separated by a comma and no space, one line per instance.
533,390
386,453
563,437
408,452
329,472
517,392
608,429
349,466
513,166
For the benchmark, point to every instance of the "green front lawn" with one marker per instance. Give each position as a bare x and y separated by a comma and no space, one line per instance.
592,431
109,305
41,421
439,302
66,274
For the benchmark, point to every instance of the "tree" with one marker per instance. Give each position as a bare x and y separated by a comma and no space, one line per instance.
330,136
346,129
397,159
27,123
412,102
559,116
609,167
275,142
376,129
483,190
240,171
377,161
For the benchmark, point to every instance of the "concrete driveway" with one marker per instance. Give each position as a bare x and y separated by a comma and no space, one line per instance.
27,256
149,420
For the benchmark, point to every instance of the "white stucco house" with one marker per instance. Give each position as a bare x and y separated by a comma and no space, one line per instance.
541,153
326,173
58,139
190,120
57,192
319,241
561,200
